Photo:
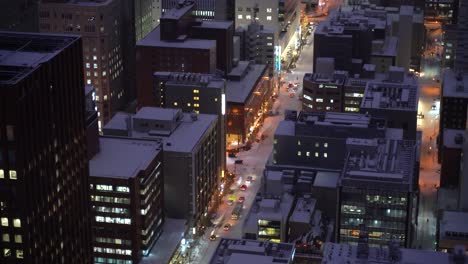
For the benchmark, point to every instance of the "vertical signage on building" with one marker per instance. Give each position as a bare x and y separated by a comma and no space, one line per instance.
278,58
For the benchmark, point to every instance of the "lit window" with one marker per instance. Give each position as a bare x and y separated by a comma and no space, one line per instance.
88,81
104,73
16,222
13,175
269,10
298,142
18,239
325,145
175,103
319,100
88,73
6,252
316,154
95,74
102,187
239,16
88,65
447,56
188,104
105,97
325,155
248,17
196,105
6,238
268,17
299,153
317,144
196,98
95,66
2,174
308,153
196,91
331,100
19,253
216,99
94,57
123,189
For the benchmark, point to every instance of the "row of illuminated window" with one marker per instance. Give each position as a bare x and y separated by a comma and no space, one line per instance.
248,17
354,95
189,104
8,253
316,154
372,234
203,13
99,260
149,185
317,144
248,9
106,199
382,199
319,100
110,188
115,210
96,74
116,241
12,174
5,222
269,231
113,251
351,109
18,238
113,220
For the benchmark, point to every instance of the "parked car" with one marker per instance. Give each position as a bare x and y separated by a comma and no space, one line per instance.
230,202
243,187
249,179
227,226
434,107
213,237
232,155
241,199
239,161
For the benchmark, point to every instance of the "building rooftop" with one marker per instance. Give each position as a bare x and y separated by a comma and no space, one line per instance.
399,91
242,80
215,24
326,179
183,78
453,138
122,158
384,163
235,251
334,253
454,84
81,2
183,138
153,40
22,53
166,114
387,47
303,211
453,224
179,10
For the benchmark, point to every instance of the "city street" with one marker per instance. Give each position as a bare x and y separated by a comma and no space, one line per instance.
429,125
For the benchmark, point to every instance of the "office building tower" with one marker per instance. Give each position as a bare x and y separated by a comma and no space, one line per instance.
452,125
461,52
191,156
44,208
126,191
107,46
257,43
147,15
206,9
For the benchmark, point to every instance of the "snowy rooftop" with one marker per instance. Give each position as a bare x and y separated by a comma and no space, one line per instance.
184,78
340,22
280,213
167,114
237,91
454,85
399,91
454,222
216,24
453,138
326,179
303,211
334,253
22,53
236,251
184,138
178,11
285,127
83,2
122,158
153,40
389,161
389,47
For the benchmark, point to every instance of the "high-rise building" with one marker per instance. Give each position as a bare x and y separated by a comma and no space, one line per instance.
461,53
453,118
257,43
108,42
44,209
147,15
19,15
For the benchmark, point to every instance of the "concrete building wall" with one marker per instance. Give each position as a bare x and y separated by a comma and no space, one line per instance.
178,185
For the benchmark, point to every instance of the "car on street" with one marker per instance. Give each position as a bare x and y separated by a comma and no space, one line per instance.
243,187
232,155
434,107
213,237
420,116
249,179
227,226
230,202
291,95
241,199
238,161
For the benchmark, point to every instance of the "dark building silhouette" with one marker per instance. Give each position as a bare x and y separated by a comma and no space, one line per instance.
44,213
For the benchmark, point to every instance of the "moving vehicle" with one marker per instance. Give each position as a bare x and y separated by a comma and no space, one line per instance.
236,212
232,155
230,202
239,162
243,187
241,199
213,237
227,226
249,179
